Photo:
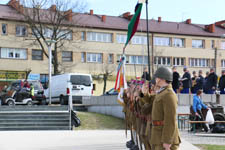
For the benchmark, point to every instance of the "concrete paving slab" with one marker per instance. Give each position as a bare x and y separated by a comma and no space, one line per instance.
69,140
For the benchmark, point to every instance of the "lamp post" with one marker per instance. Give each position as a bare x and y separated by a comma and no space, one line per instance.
49,44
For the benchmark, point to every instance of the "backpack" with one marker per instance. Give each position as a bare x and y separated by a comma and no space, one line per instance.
75,121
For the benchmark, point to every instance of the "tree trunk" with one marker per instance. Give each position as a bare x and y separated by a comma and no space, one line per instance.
56,61
105,77
27,73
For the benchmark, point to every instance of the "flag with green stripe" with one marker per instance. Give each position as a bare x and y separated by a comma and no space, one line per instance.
132,27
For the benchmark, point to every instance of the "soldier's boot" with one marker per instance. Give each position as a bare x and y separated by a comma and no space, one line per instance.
130,144
135,147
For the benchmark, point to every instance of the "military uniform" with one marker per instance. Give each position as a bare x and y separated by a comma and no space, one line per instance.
146,111
164,124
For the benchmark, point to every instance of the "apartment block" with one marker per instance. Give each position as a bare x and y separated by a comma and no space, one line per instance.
96,44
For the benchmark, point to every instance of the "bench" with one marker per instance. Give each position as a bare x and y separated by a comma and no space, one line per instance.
182,118
194,123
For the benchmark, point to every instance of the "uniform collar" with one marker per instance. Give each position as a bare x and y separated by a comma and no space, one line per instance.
163,88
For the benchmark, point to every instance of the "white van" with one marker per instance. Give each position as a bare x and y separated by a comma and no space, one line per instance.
82,86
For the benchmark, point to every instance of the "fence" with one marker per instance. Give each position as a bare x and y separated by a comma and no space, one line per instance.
108,104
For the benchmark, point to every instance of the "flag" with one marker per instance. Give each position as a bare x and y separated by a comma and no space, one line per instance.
132,27
121,82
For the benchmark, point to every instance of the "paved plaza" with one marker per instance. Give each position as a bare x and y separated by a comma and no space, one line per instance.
68,140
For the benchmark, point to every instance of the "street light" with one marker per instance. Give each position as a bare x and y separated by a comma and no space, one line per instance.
49,44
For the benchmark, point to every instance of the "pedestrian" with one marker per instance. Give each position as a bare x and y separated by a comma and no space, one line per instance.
193,81
176,82
199,81
205,80
145,74
186,81
32,91
211,83
222,83
197,108
164,132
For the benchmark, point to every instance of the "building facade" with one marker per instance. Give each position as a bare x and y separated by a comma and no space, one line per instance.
97,41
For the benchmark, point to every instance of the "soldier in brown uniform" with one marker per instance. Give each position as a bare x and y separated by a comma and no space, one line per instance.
164,131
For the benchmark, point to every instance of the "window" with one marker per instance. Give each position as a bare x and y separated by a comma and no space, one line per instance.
223,63
178,61
48,32
178,42
13,53
37,54
110,58
197,43
131,59
83,55
99,37
137,59
67,56
121,38
212,44
94,57
35,32
139,40
199,62
65,34
222,44
80,80
21,30
4,29
162,61
162,41
82,36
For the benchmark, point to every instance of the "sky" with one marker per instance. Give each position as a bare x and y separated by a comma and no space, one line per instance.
200,11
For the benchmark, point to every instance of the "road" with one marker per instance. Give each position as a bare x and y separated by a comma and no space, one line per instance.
68,140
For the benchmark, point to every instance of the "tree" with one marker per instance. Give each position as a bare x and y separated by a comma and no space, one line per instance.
28,71
55,23
107,71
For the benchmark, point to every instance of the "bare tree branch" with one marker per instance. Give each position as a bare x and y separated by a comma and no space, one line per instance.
51,23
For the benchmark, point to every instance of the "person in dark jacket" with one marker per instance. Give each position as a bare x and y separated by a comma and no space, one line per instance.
199,81
193,81
186,81
211,82
205,80
176,82
145,74
222,83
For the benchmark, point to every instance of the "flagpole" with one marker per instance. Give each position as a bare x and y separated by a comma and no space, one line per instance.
148,39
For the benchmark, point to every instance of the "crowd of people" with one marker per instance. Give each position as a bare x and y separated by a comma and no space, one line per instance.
150,105
191,84
150,112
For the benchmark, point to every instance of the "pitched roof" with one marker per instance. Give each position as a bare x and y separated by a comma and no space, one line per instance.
120,23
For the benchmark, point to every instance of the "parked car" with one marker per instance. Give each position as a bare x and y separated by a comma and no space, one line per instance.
81,84
38,97
110,92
